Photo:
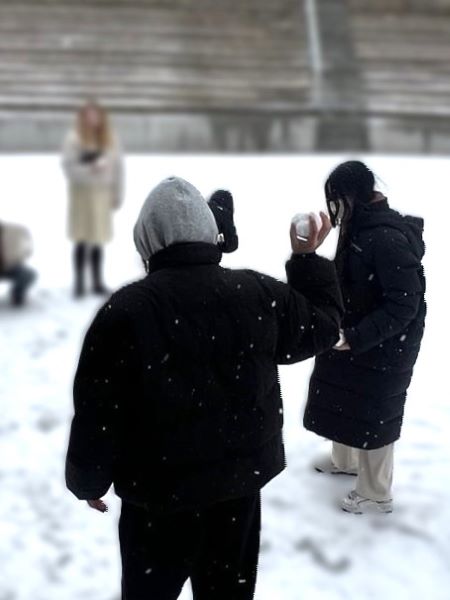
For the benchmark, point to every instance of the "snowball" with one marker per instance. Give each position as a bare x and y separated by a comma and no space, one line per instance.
301,222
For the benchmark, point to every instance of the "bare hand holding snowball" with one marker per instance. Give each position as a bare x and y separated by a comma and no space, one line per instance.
316,233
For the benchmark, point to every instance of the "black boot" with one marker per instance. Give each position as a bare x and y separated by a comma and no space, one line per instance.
79,260
97,268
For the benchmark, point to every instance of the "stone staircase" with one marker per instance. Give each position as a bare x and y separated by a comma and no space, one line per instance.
156,55
405,59
177,74
228,75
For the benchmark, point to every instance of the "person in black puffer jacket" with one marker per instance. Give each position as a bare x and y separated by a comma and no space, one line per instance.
222,206
358,389
177,398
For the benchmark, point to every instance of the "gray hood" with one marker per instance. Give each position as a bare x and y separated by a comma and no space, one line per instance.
174,212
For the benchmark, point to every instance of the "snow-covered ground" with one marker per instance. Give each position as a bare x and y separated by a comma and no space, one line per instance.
52,547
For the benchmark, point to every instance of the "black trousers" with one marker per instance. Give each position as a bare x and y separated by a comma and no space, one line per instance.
21,278
216,547
81,253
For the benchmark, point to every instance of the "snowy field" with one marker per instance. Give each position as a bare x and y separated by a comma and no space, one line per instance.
52,547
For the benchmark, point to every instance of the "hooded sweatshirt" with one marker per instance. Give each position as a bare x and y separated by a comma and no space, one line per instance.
174,212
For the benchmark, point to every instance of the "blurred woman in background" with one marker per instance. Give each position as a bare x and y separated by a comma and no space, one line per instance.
93,164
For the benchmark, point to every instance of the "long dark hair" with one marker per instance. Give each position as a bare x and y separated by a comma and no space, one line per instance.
350,183
349,186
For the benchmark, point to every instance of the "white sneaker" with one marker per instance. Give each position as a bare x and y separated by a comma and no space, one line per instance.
327,466
356,504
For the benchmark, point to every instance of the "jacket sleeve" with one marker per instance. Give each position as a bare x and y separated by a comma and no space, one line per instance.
118,176
397,270
75,171
101,386
223,215
309,308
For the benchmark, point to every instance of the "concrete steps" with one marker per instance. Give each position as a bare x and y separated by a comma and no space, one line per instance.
405,62
152,55
226,74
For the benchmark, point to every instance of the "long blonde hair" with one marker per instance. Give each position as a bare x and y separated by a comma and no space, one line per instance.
99,137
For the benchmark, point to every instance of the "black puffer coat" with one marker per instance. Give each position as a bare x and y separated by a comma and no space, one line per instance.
177,399
357,397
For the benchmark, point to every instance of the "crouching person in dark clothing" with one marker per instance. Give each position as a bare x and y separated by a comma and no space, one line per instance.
177,398
15,248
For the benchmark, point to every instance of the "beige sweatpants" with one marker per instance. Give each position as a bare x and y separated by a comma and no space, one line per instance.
374,468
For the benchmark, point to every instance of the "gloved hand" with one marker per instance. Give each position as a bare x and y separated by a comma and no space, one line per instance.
223,200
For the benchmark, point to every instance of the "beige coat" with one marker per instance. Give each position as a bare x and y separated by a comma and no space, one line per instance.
95,191
15,246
